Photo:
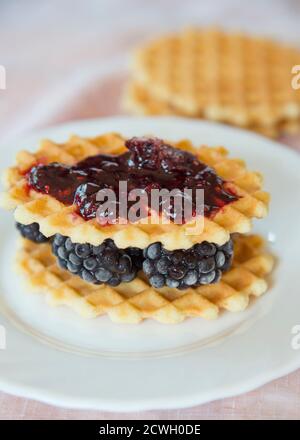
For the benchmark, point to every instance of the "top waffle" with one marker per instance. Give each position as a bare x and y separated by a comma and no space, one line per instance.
226,77
54,217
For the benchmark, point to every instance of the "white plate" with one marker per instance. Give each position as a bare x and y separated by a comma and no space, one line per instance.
57,357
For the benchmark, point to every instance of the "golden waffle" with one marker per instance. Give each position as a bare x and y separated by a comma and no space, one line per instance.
231,78
54,217
137,100
132,302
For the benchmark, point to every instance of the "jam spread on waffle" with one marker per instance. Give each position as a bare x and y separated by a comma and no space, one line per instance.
148,164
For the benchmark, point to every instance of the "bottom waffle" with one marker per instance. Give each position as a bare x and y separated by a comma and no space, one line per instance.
137,100
132,302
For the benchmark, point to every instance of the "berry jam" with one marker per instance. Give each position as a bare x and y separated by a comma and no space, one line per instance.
148,164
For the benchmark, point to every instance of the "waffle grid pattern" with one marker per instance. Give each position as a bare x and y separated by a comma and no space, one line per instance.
139,101
135,301
208,73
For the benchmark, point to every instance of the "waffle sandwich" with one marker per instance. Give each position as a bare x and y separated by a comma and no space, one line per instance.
231,78
146,268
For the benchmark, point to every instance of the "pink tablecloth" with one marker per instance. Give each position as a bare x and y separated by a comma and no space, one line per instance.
54,57
277,400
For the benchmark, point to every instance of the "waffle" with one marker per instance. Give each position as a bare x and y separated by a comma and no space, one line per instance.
138,101
231,78
54,217
132,302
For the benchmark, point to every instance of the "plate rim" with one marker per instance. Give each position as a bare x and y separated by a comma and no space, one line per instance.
97,404
239,387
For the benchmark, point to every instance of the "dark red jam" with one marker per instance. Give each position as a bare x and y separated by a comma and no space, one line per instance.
148,164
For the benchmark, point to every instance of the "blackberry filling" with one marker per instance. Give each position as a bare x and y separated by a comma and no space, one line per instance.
184,268
103,264
148,164
31,232
107,264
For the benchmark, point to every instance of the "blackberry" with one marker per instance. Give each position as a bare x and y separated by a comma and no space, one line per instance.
136,255
97,264
201,264
32,232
